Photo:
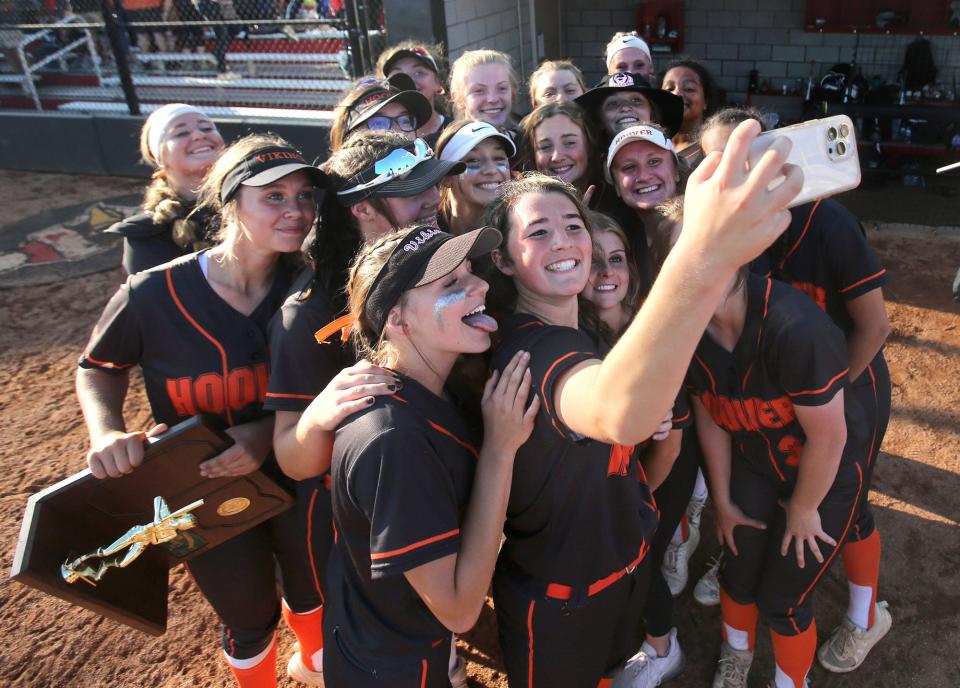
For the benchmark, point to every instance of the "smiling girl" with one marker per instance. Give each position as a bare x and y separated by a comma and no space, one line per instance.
558,141
701,97
556,80
315,384
181,143
216,304
614,285
486,153
482,87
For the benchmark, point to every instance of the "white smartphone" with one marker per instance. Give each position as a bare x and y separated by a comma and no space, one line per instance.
825,149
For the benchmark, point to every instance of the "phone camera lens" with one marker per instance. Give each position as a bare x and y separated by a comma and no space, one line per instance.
844,131
832,133
841,148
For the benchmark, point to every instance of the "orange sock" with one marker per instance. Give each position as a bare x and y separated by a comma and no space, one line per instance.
861,562
684,527
261,675
739,622
794,655
309,631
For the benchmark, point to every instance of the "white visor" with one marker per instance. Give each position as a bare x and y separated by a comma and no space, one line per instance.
467,138
638,132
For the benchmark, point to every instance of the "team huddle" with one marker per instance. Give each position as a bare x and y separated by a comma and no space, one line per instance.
509,358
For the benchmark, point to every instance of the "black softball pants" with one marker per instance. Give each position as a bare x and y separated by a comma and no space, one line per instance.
759,574
239,579
548,642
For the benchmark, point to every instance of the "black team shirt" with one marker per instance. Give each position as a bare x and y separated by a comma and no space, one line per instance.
197,353
789,354
401,479
579,509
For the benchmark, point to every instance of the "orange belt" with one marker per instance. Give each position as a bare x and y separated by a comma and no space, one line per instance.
558,591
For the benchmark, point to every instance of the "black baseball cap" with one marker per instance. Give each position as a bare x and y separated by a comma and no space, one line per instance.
266,166
379,93
424,255
421,55
669,108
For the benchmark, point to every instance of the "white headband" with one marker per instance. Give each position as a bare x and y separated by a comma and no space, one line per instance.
627,41
160,120
467,138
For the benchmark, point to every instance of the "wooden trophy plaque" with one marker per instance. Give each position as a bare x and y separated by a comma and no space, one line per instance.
107,545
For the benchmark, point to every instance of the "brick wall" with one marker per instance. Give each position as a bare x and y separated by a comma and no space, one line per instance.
734,36
493,24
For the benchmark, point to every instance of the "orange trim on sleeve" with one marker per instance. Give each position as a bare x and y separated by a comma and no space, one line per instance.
442,430
108,364
827,386
282,395
706,369
865,279
424,667
375,556
313,562
543,386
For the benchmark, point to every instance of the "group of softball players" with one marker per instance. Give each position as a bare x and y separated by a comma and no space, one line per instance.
509,358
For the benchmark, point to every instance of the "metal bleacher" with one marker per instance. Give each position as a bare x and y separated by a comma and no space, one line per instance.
268,73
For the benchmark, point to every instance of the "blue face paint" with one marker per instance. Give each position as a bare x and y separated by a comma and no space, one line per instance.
444,302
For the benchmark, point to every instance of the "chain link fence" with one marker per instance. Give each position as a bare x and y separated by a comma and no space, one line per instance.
279,58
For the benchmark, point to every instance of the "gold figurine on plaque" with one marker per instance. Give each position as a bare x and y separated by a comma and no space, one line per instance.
164,528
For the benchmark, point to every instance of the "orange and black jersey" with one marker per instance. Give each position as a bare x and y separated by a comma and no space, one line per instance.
300,366
401,479
789,354
198,354
824,254
579,509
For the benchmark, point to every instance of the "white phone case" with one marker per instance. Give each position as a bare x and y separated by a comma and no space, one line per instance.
825,149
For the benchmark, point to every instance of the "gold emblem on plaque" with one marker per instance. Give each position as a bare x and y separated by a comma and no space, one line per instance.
234,506
166,526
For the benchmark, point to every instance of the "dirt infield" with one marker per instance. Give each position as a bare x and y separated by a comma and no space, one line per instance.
916,487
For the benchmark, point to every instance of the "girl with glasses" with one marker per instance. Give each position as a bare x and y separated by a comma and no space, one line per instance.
375,104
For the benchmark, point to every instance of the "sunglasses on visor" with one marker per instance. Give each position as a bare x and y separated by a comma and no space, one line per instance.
396,165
